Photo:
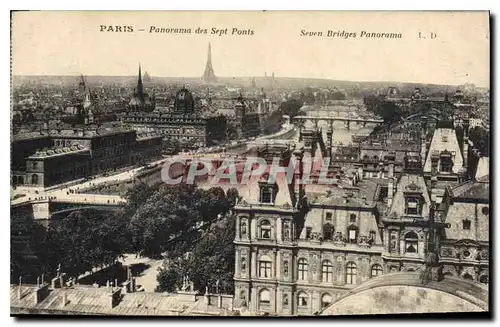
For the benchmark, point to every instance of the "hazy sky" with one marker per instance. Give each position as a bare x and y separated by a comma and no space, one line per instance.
71,43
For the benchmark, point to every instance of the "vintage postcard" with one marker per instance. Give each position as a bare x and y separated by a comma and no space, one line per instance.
259,163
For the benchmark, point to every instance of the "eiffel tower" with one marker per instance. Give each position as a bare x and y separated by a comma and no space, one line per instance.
209,75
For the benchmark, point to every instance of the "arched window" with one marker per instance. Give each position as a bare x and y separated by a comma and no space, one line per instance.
34,179
326,271
411,242
302,298
328,231
377,270
326,300
265,265
302,267
264,296
351,273
265,229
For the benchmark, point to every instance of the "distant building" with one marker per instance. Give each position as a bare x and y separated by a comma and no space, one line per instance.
80,153
184,123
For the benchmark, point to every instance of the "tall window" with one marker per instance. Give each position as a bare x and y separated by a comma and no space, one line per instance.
352,218
34,179
351,273
372,236
412,206
265,229
328,216
326,300
308,232
327,271
377,270
264,296
411,242
352,232
466,224
302,299
328,231
265,268
35,165
302,267
446,164
266,195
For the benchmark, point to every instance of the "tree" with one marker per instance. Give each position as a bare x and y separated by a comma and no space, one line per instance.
481,139
211,260
86,239
291,107
27,250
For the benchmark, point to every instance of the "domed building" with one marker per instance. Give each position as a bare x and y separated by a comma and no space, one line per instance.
184,102
184,125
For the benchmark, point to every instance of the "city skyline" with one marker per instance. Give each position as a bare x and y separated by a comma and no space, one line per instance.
178,56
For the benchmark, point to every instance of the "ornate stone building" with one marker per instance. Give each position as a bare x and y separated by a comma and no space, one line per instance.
184,123
299,247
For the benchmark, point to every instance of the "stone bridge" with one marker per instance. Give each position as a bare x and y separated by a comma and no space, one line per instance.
300,120
46,209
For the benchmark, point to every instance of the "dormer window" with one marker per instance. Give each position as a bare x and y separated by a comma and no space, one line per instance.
446,162
308,232
328,216
466,224
412,206
352,232
328,231
266,195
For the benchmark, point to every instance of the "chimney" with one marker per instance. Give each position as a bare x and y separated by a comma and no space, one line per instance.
390,191
423,149
41,292
206,299
465,146
329,136
360,173
19,289
114,297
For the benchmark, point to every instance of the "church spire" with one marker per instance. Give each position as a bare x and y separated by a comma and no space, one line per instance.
139,83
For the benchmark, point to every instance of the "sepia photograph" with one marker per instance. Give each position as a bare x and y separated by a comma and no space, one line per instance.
250,163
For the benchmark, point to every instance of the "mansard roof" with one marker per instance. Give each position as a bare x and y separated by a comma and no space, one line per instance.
472,191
